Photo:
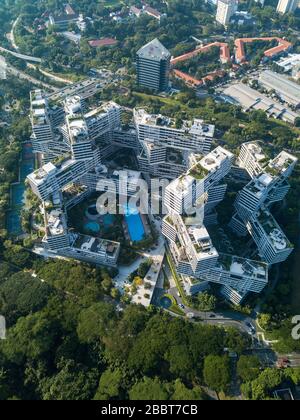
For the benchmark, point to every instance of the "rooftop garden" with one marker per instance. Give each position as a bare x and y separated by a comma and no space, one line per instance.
198,172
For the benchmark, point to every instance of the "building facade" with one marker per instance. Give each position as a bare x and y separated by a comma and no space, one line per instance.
153,66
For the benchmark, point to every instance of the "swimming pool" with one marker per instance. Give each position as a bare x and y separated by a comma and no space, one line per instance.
92,227
135,224
17,195
13,222
165,302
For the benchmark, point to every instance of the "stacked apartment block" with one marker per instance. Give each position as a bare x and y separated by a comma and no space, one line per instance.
268,185
166,144
189,199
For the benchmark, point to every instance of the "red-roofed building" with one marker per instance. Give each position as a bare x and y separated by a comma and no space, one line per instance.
224,53
152,12
104,42
189,80
240,54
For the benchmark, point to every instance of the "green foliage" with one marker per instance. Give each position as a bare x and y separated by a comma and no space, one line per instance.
110,385
261,387
248,368
22,294
150,390
72,382
95,322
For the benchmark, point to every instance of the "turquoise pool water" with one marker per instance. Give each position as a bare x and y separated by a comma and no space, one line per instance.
92,227
165,302
17,195
13,217
26,169
135,224
13,222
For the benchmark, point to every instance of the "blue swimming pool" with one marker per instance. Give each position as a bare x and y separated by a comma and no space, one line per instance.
13,222
17,195
26,168
135,224
92,227
165,302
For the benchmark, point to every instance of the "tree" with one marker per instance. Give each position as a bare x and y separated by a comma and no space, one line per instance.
16,255
31,338
22,294
181,392
150,390
206,302
109,385
235,341
72,382
248,368
181,362
217,373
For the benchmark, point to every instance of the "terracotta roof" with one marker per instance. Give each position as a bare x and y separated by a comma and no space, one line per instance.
224,52
153,12
187,78
190,80
240,54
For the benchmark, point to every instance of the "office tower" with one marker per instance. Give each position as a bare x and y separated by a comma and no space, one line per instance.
287,6
153,66
225,10
166,144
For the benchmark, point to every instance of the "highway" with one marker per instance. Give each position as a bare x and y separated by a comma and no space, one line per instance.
10,70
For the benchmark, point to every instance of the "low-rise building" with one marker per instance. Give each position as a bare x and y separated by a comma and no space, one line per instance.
287,90
250,99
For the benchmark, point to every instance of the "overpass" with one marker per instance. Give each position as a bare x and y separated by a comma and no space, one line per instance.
21,56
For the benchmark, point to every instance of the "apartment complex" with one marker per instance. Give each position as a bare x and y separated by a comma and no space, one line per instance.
287,6
268,185
153,66
189,200
166,144
88,137
225,10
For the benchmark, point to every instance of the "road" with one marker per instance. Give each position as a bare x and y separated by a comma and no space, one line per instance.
225,318
17,73
12,34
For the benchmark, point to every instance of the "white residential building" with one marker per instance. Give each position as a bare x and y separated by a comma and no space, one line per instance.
287,6
268,186
195,257
166,144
